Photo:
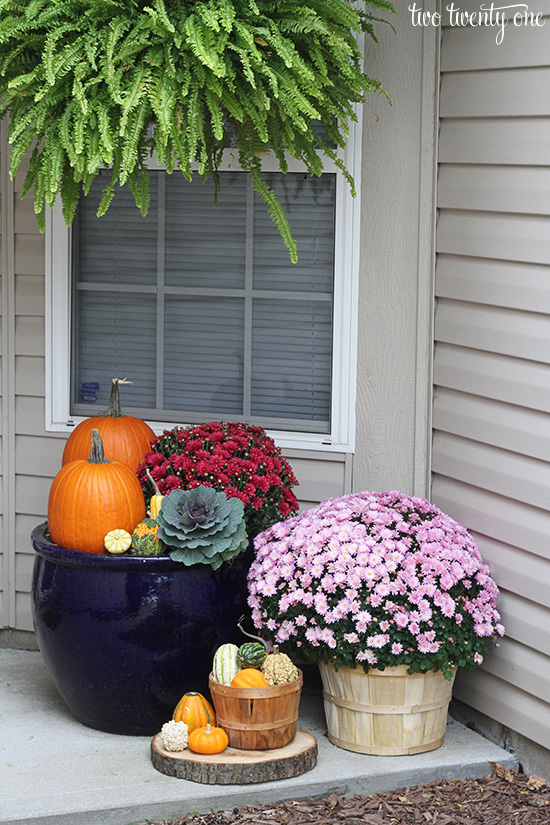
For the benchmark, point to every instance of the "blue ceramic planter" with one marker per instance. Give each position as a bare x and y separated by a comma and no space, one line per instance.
124,637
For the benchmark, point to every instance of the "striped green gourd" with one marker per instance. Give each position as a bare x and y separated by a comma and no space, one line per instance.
225,666
251,654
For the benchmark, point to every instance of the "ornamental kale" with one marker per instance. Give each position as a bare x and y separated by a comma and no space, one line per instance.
375,579
240,459
202,525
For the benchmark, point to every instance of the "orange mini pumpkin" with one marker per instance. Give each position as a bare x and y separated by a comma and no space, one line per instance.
194,710
208,740
125,438
249,677
90,498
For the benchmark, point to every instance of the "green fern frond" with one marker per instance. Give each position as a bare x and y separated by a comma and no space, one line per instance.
159,18
276,212
82,81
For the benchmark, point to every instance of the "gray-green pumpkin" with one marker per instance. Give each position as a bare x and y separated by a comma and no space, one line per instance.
145,541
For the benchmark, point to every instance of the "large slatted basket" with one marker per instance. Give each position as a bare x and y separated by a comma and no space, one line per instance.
258,718
388,712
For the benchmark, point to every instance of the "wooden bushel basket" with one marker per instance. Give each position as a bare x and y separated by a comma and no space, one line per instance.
258,718
386,713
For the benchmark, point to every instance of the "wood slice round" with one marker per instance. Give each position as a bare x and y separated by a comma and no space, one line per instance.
237,767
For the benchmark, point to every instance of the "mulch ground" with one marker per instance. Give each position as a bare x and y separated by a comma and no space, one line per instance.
502,798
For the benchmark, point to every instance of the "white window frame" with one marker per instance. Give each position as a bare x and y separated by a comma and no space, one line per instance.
345,301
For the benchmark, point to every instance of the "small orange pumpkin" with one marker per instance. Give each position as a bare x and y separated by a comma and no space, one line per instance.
125,438
208,740
194,710
90,498
249,677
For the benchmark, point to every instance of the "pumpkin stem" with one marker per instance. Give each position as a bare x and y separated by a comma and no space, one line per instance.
251,636
153,482
113,409
208,728
97,451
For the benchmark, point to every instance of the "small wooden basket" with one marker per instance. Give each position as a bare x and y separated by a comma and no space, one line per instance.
258,718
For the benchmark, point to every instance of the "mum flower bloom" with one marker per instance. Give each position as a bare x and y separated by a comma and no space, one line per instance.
378,579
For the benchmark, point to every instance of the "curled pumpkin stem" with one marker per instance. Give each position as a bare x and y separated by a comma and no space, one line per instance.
158,493
251,635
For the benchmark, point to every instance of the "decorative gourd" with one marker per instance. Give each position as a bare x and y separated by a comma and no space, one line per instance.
225,666
278,668
90,498
145,541
194,710
156,499
251,654
125,438
249,677
208,740
117,541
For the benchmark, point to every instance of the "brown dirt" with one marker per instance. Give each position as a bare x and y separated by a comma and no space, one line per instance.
503,798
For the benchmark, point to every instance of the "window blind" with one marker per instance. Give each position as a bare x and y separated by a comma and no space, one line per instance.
199,305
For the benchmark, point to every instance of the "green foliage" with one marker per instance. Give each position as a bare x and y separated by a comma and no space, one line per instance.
105,83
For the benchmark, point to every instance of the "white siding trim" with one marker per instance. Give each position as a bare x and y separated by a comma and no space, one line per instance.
8,384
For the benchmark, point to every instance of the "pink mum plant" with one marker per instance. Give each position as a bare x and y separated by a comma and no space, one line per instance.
375,579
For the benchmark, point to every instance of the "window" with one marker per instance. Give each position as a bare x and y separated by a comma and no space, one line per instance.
200,306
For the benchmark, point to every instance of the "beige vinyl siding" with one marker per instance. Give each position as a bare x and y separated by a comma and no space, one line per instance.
3,576
491,411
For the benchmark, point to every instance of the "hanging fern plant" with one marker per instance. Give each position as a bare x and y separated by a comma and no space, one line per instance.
90,84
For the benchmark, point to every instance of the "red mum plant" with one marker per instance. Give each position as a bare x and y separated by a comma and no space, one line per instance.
239,459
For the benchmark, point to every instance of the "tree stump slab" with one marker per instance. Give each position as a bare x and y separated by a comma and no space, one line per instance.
237,767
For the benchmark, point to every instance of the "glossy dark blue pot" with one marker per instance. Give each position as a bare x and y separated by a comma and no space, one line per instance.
124,637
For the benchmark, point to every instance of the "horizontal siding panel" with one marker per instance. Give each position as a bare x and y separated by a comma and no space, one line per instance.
518,141
38,456
485,281
517,571
499,93
30,417
501,425
29,295
467,50
23,572
522,667
31,494
499,471
29,335
23,612
523,335
504,703
514,380
526,622
489,514
29,376
29,254
24,216
24,525
318,479
495,188
490,235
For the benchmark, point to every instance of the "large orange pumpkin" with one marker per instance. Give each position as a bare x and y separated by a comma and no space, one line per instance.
125,438
90,498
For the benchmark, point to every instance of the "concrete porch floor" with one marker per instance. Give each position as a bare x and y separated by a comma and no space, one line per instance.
55,771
